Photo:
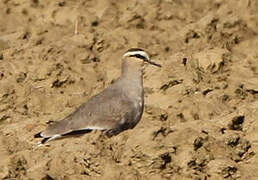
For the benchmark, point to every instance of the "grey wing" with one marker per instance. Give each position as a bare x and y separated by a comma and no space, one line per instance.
109,110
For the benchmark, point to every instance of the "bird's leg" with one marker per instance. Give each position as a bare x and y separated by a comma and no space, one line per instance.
111,132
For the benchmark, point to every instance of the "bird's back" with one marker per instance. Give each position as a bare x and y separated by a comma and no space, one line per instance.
113,108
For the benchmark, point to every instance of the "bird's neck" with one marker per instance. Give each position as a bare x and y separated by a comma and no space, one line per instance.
132,71
131,79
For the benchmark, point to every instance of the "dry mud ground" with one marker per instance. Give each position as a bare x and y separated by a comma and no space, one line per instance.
201,110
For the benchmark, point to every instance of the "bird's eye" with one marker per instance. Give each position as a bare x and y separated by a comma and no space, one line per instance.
139,56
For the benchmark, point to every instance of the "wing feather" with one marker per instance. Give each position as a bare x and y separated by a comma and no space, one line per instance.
104,111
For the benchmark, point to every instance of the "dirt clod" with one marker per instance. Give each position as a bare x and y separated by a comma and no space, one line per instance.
237,123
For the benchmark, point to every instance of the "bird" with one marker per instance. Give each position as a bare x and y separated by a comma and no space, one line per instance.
117,108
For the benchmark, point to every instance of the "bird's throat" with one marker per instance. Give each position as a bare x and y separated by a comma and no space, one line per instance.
132,70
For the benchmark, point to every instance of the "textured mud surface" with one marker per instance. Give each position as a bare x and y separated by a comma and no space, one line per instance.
201,109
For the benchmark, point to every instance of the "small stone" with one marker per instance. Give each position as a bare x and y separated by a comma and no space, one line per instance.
62,3
198,142
206,91
237,123
170,84
1,56
95,23
184,61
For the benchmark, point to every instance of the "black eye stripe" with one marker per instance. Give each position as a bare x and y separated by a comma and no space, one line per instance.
139,56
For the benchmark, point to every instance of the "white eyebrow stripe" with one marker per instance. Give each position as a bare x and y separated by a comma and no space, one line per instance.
142,53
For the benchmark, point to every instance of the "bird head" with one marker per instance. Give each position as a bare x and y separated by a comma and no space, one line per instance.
139,54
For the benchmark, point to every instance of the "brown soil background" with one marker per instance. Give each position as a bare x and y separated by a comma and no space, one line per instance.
201,109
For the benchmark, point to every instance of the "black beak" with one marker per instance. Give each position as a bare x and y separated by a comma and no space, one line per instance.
153,63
